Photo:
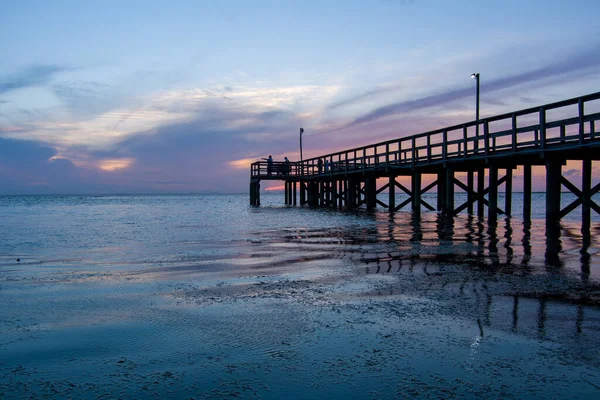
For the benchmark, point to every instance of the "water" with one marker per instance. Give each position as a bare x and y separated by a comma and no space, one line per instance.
204,296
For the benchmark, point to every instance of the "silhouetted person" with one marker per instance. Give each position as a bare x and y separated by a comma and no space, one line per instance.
320,165
269,165
286,167
326,166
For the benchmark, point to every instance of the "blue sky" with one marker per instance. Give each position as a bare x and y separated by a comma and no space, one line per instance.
156,96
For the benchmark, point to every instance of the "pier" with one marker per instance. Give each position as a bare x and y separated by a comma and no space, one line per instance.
487,150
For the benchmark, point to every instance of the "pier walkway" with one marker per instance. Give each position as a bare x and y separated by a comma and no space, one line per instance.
548,135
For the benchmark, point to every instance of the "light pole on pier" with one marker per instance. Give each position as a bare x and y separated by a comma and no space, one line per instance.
301,132
301,164
476,77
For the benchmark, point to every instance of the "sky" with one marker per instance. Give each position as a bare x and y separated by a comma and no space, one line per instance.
181,96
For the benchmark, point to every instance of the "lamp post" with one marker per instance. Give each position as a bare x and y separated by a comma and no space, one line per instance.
481,171
301,132
476,77
301,163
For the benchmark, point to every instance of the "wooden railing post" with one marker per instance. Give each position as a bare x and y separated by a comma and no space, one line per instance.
542,127
414,150
428,148
444,144
581,120
486,137
387,154
466,152
399,155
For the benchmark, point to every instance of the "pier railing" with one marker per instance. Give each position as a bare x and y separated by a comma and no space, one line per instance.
556,126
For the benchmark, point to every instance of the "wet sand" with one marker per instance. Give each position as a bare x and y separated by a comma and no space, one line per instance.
459,311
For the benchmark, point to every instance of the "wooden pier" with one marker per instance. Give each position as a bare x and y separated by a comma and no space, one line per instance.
548,135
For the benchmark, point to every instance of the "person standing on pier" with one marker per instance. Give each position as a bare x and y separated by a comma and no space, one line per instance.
269,165
286,167
320,166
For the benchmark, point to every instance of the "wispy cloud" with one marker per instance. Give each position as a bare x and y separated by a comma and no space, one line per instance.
582,63
35,75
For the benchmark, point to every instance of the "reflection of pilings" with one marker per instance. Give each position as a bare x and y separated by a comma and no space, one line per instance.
526,241
487,311
493,194
515,314
470,191
542,319
553,243
579,320
508,243
586,257
586,188
493,242
392,193
508,192
480,238
480,191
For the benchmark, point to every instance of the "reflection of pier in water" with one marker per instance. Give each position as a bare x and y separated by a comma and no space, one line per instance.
508,276
535,295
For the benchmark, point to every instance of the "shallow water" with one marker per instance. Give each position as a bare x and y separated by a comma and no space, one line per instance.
204,296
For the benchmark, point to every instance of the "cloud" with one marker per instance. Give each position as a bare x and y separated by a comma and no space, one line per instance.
571,172
583,62
35,75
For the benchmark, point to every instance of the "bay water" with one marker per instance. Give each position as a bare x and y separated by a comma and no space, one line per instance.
203,296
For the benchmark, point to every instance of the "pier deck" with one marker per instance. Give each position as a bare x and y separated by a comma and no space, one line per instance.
548,135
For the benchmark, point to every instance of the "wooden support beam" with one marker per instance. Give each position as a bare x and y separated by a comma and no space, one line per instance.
416,192
508,192
429,187
302,193
334,193
348,194
576,203
371,192
449,191
404,189
321,193
470,197
553,185
586,186
441,192
381,203
427,205
527,192
381,189
480,191
403,204
493,197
